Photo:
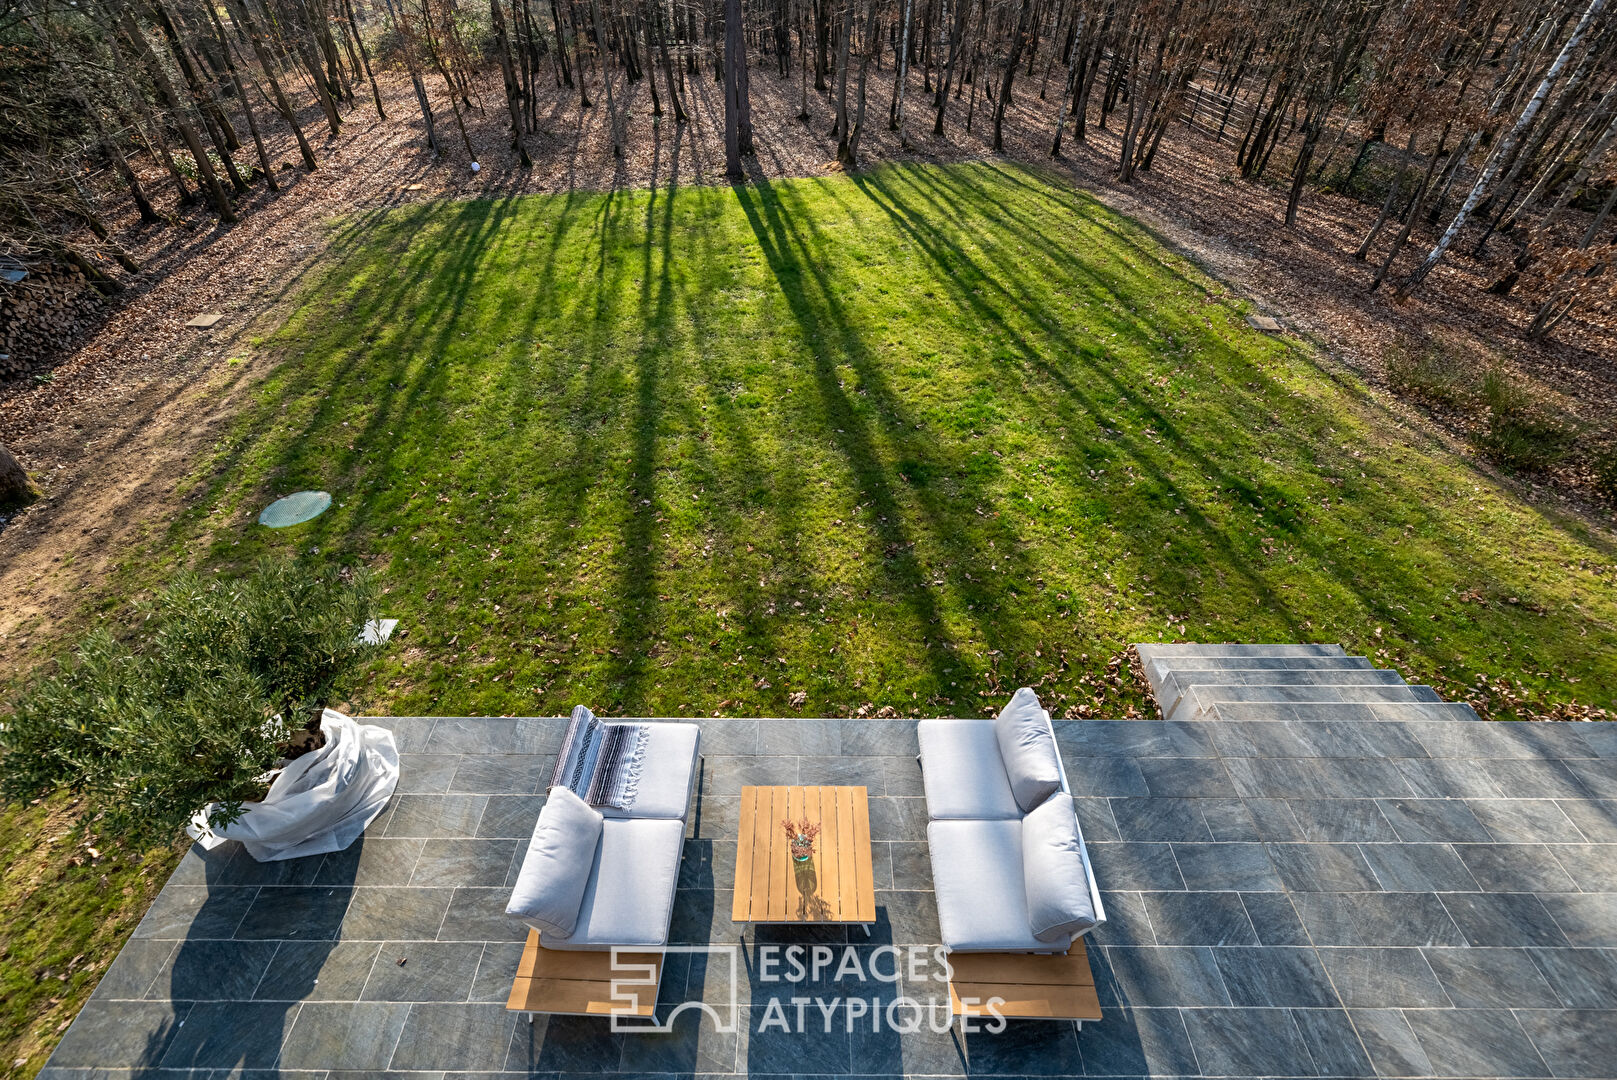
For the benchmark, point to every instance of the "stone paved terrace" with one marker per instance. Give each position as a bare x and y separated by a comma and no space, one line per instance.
1287,898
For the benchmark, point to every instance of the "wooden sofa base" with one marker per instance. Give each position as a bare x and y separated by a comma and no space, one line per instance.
1032,986
580,983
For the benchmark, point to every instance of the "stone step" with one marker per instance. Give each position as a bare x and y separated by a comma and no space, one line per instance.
1247,712
1197,700
1158,669
1177,682
1150,649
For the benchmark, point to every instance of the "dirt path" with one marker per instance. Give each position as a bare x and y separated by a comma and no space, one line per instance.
132,411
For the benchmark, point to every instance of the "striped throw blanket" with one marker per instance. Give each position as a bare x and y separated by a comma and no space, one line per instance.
600,763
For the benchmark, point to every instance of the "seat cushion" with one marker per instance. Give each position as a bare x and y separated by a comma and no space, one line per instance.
977,875
961,770
556,871
1059,903
1027,748
667,773
629,899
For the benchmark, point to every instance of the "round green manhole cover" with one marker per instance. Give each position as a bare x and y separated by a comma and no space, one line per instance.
295,509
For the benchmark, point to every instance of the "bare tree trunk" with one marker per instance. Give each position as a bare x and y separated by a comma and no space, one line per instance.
903,70
109,146
1390,201
651,60
1070,90
668,71
1502,151
154,67
282,105
1018,43
241,95
733,59
606,77
364,57
513,92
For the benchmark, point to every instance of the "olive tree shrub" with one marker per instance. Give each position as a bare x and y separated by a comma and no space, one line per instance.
221,680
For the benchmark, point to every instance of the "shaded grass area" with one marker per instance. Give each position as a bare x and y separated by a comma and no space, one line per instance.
66,908
910,439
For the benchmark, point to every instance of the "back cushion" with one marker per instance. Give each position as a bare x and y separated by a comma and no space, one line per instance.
1059,903
557,867
1028,749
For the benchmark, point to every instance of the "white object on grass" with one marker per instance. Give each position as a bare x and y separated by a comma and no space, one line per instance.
377,631
321,801
476,167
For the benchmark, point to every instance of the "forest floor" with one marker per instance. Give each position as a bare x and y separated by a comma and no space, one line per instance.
965,428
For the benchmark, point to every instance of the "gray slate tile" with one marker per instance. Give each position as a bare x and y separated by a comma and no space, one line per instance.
1135,865
1515,868
1383,978
1588,919
1504,919
1274,919
1400,919
1226,867
1159,819
1247,1042
1342,820
1418,868
1216,918
1390,1042
431,971
344,1035
1427,821
470,1037
1275,978
1525,821
291,914
1580,1043
1332,1043
317,971
1491,978
1472,1042
1322,868
1581,978
231,1035
132,1032
1157,976
1138,1042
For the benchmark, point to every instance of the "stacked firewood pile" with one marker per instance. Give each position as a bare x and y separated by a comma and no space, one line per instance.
40,316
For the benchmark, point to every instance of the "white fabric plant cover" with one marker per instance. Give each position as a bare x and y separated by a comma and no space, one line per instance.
321,801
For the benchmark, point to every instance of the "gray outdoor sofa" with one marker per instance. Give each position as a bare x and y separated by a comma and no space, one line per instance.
1009,865
593,878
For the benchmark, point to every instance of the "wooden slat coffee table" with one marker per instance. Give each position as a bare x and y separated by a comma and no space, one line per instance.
835,886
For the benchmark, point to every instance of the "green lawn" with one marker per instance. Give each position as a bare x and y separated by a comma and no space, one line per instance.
906,440
912,439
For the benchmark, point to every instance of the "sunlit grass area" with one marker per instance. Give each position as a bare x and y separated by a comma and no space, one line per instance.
907,439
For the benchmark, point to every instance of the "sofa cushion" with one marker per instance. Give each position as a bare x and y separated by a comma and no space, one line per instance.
961,771
667,773
1028,749
977,877
629,899
1056,881
550,887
